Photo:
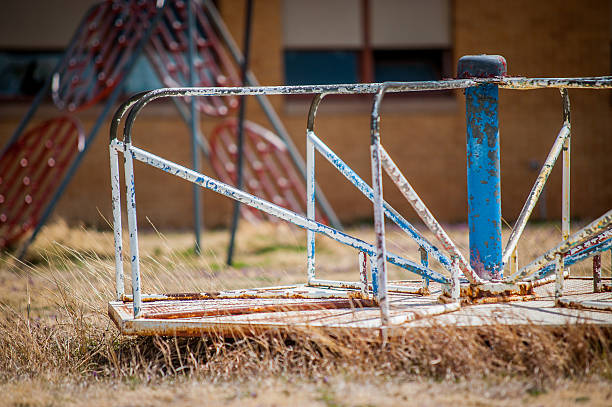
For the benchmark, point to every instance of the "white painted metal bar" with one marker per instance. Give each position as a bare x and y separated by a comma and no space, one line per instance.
379,216
310,206
116,203
133,228
357,285
597,282
559,276
363,273
367,191
597,243
424,263
597,226
519,83
536,190
455,282
566,183
278,211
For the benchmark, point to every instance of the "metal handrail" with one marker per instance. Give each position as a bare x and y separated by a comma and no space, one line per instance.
379,157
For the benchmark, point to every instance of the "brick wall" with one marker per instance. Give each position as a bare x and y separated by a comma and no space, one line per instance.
426,138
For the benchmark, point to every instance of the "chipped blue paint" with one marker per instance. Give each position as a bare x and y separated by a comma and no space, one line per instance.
366,190
424,263
128,155
374,271
310,207
278,211
483,181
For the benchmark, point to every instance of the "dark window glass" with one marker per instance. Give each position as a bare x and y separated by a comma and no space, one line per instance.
22,74
409,65
321,67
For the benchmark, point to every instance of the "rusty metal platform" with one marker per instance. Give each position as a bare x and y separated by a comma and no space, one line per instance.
304,307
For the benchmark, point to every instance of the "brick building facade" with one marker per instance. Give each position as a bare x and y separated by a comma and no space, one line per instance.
425,135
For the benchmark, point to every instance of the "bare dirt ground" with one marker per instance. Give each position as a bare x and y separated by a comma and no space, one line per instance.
58,347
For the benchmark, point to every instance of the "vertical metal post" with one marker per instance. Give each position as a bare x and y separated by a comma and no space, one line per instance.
241,112
193,125
424,263
597,285
116,202
374,276
483,168
379,215
363,273
132,227
455,287
565,189
310,207
559,277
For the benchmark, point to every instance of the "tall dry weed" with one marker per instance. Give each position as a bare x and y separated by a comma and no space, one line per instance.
69,336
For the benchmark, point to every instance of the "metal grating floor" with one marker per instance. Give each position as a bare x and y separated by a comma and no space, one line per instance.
249,311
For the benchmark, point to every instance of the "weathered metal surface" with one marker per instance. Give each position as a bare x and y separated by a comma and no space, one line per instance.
601,305
405,311
565,187
395,287
241,306
363,273
249,315
483,159
132,227
584,234
194,117
362,186
559,277
600,82
597,283
282,213
597,244
483,181
311,190
379,216
490,292
425,263
117,224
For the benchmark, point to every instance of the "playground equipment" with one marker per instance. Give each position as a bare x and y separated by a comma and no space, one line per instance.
97,60
491,275
185,42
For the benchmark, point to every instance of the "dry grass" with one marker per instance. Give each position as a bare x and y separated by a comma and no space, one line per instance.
57,346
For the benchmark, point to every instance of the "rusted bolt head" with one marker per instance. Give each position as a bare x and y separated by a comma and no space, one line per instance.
481,66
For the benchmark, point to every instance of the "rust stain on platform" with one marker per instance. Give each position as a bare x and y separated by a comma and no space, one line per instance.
279,309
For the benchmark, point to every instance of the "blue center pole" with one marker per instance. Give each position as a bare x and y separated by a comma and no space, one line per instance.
483,173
